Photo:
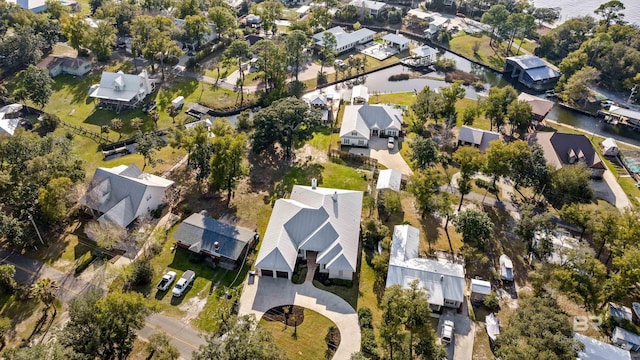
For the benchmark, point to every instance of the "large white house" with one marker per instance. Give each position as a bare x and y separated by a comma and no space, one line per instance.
361,122
369,7
123,193
443,281
345,41
120,90
314,220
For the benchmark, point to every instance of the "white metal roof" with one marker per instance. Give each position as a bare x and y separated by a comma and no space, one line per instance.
609,143
506,268
360,91
321,219
118,192
628,336
424,51
480,287
122,87
598,350
363,118
442,280
9,126
389,179
369,4
344,38
631,114
396,39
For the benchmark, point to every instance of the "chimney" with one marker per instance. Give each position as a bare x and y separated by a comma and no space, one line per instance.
441,277
216,247
335,196
314,183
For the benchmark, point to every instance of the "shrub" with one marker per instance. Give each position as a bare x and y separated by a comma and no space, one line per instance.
245,123
7,278
83,262
365,317
191,63
492,301
368,343
374,231
50,122
399,77
141,273
444,64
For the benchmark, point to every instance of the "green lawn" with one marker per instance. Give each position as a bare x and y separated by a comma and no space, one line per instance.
24,315
342,177
403,98
463,44
323,138
480,123
309,341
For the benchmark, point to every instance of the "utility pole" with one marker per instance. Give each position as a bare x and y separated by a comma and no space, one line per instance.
35,227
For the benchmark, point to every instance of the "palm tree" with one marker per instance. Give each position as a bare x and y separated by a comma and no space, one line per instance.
136,123
116,125
44,290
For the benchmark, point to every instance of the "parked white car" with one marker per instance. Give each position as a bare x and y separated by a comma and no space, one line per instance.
447,331
184,282
166,281
391,143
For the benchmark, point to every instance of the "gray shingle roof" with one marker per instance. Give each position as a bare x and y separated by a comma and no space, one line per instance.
363,118
201,232
312,220
478,137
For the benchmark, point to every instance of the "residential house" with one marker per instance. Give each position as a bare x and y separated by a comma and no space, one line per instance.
443,281
57,65
432,20
609,147
359,95
598,350
625,339
38,6
318,222
562,149
123,193
122,91
421,56
479,290
370,7
361,122
539,107
397,42
562,246
225,244
531,71
389,179
10,118
345,41
254,21
207,38
620,312
476,137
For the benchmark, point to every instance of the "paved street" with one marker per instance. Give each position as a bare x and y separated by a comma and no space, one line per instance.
183,336
261,294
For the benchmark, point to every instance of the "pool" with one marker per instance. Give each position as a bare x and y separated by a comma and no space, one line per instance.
631,160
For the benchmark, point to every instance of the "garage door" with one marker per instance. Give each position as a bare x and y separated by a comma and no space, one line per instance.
268,273
282,274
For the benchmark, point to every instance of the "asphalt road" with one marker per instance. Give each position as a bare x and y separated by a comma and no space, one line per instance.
184,337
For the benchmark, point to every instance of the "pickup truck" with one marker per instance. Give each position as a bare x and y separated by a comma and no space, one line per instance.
447,331
183,283
166,281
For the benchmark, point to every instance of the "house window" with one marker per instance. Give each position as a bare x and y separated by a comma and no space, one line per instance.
449,302
361,142
340,273
354,133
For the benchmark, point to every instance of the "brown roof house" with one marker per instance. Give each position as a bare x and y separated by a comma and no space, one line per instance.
57,65
566,149
539,107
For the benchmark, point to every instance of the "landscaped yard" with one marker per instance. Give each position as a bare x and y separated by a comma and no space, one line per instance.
487,54
309,341
24,316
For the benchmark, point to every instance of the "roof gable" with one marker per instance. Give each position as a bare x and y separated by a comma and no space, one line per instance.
363,118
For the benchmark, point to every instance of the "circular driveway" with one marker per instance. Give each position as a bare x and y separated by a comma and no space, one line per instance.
263,293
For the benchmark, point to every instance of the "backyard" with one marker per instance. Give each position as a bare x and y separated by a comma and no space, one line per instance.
464,44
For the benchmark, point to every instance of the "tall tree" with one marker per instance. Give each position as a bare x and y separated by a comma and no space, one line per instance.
475,227
424,186
520,115
160,348
76,30
53,199
327,50
287,121
570,184
611,11
116,125
270,11
227,163
295,44
196,27
538,329
244,339
105,327
450,95
239,51
428,105
101,40
496,16
223,19
37,83
147,145
497,103
424,152
471,160
45,290
577,89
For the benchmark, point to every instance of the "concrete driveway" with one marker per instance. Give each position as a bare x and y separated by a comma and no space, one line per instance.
390,158
461,348
261,294
609,190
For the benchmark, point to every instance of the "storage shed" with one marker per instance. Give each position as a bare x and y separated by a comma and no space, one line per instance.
625,339
609,147
479,289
